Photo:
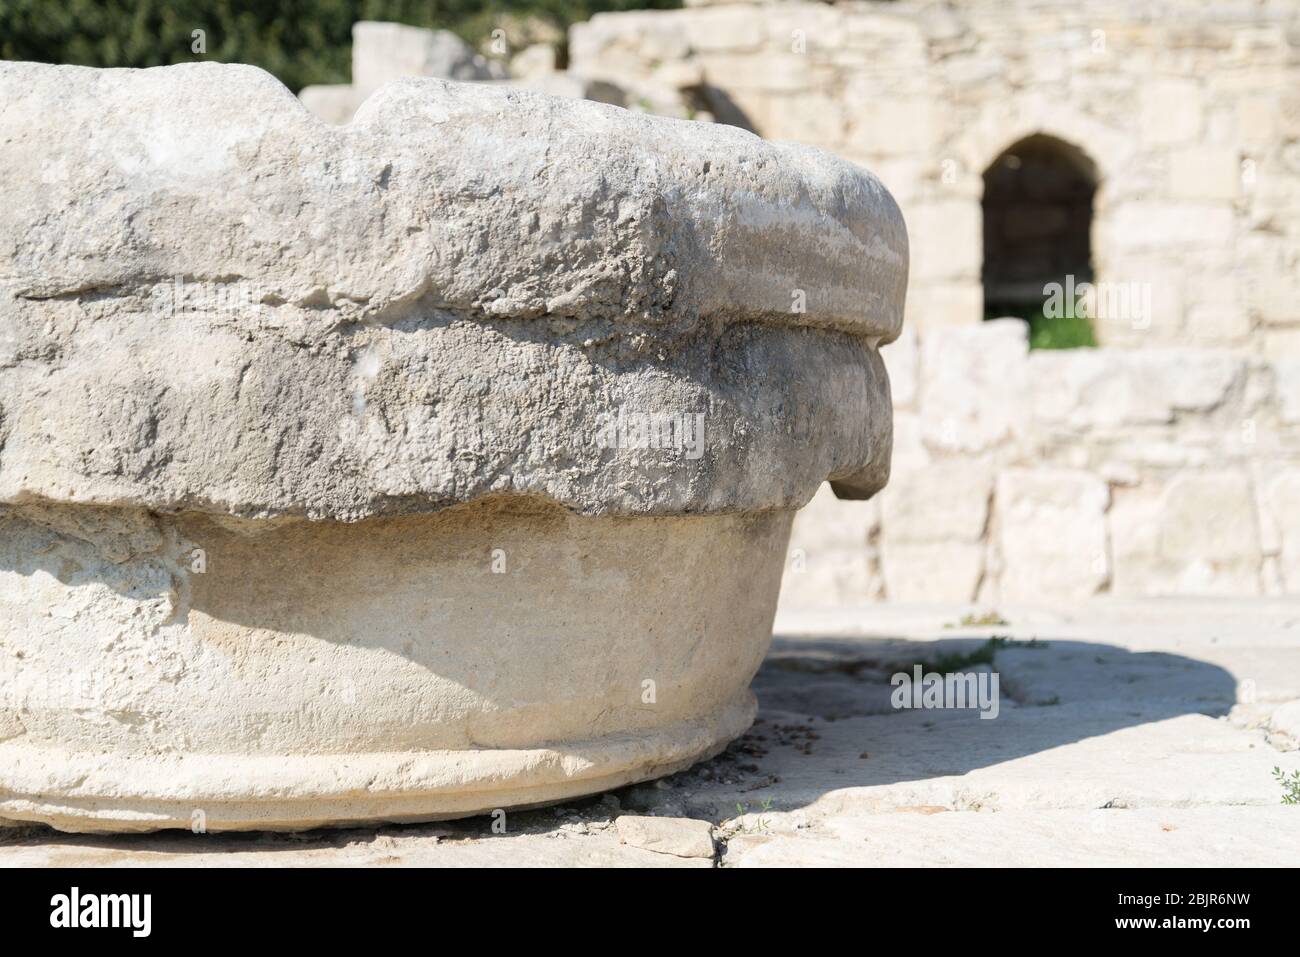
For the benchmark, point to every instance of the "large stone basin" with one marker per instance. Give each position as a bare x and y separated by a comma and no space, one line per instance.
435,464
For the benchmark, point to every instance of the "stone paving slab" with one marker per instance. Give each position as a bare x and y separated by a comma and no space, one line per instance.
1128,733
1025,759
1183,837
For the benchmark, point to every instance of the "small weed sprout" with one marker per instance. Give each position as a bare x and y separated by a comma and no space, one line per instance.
1290,785
987,619
761,823
981,655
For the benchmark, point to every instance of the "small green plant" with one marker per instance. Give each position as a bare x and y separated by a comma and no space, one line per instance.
961,660
760,823
1290,785
956,661
983,620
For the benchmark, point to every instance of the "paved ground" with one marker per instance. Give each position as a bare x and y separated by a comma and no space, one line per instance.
1128,734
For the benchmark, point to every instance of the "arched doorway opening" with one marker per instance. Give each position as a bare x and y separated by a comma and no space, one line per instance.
1037,206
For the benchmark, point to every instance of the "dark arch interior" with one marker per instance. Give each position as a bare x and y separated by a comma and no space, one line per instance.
1037,223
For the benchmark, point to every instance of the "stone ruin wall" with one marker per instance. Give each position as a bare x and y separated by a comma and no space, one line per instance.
1189,111
1169,464
1032,477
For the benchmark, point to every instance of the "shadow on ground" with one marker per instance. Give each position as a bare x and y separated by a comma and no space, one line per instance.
826,724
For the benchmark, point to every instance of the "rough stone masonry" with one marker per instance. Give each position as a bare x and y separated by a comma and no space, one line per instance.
1166,462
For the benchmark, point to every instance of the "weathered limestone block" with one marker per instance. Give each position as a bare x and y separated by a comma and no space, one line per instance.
813,27
1051,534
1205,173
334,103
973,387
338,104
619,47
383,52
681,837
933,522
1216,313
1282,498
909,451
1286,373
889,126
932,571
954,243
833,557
1200,537
947,500
1282,342
809,118
1110,388
1171,112
437,463
1277,300
935,306
727,28
1158,225
772,73
534,60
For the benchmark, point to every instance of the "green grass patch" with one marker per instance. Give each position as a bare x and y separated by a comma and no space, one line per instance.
1046,332
960,661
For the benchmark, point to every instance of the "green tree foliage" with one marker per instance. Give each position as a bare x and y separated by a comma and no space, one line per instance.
300,41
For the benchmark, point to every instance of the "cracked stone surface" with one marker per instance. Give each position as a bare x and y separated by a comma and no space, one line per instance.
389,317
1129,733
679,836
